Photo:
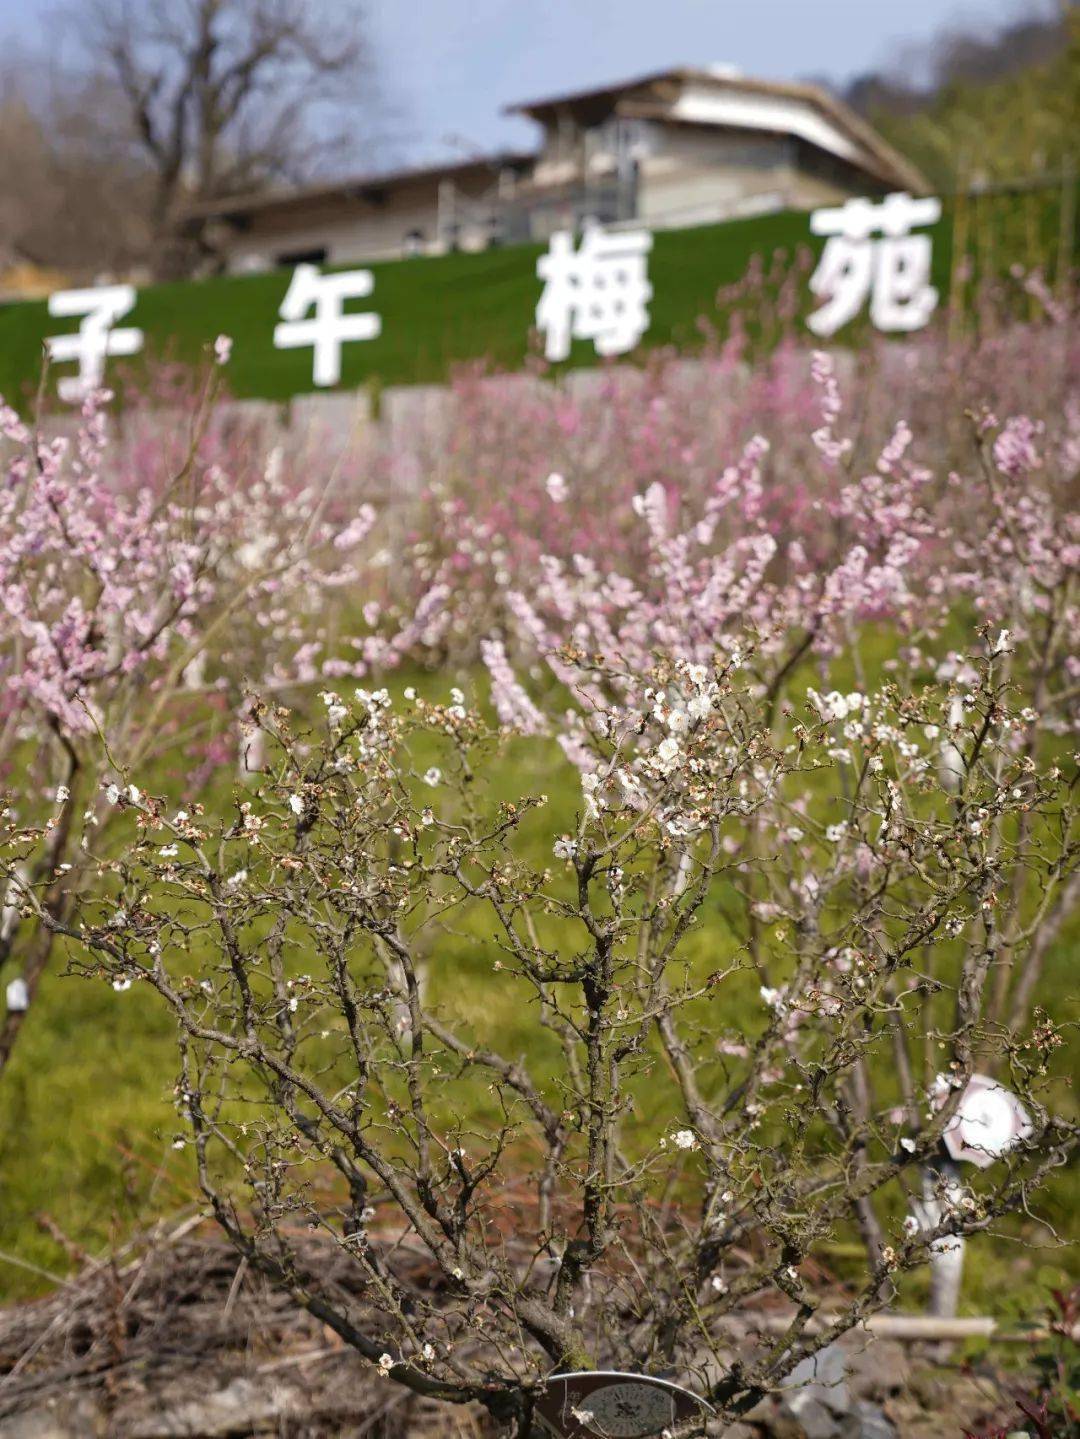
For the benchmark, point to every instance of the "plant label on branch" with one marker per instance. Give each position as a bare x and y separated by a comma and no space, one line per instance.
18,996
989,1121
612,1405
598,292
893,272
330,327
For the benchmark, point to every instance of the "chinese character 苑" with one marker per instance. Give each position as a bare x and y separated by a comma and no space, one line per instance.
95,339
330,327
894,271
598,292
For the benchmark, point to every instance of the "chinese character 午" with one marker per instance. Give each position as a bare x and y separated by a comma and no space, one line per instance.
330,327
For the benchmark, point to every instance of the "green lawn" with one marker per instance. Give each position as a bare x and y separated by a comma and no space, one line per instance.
441,311
87,1123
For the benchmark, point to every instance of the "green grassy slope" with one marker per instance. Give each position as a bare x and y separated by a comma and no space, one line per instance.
437,312
87,1122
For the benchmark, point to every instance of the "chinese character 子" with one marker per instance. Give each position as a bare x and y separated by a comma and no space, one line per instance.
329,328
598,292
95,339
893,271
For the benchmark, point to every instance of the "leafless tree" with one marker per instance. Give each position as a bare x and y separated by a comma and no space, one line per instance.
223,96
69,200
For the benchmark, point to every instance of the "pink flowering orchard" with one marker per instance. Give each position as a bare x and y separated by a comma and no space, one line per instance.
139,600
692,919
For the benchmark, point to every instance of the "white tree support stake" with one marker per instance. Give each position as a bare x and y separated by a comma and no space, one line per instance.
988,1122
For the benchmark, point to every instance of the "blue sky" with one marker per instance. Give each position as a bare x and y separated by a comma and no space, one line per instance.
448,66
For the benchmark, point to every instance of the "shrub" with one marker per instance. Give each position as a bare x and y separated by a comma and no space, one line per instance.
607,1176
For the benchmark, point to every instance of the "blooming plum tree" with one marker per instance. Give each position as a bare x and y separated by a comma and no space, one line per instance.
709,1033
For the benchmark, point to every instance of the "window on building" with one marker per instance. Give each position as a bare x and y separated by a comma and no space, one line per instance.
316,256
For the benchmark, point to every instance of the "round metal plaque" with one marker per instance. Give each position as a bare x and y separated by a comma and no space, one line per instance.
606,1404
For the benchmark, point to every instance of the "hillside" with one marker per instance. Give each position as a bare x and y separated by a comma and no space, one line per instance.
439,312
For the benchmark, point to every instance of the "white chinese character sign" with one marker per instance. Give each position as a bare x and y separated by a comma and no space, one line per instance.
892,271
330,327
96,338
598,292
595,288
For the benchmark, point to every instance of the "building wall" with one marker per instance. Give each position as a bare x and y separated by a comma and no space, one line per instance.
808,191
671,175
775,114
691,177
359,230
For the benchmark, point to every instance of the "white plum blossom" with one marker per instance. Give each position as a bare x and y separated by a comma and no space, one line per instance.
699,705
684,1139
835,706
432,776
590,789
296,803
557,488
633,795
335,710
667,756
